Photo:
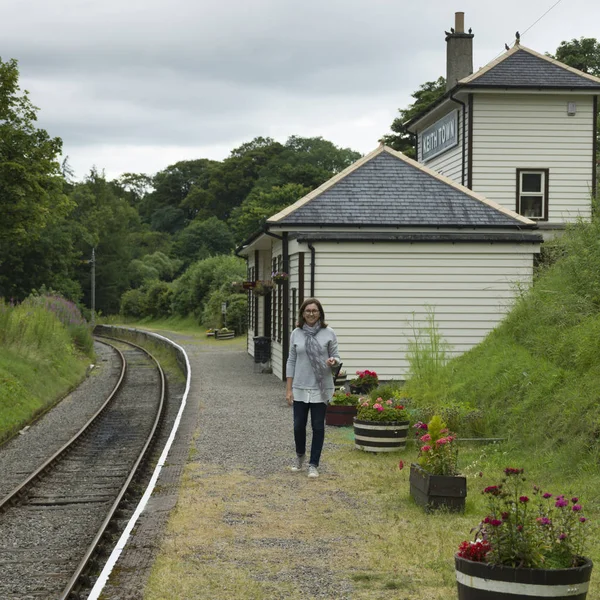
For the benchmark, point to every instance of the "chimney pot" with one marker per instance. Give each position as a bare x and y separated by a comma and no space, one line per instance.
459,22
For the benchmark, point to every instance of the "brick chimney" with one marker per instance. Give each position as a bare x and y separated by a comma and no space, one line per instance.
459,52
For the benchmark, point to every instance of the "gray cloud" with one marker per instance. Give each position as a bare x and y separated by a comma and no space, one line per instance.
133,84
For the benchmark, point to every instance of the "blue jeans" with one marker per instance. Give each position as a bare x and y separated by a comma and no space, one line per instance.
317,421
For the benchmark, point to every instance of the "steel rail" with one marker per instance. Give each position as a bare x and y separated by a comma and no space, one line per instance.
73,582
10,498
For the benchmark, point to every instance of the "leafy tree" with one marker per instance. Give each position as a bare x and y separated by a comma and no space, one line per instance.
201,239
306,161
192,289
104,220
582,54
31,190
260,205
402,140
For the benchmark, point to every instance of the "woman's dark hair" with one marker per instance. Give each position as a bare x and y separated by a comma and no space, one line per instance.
308,301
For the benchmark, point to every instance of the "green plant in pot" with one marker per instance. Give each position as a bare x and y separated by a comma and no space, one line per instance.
343,398
434,478
342,408
364,382
380,425
531,542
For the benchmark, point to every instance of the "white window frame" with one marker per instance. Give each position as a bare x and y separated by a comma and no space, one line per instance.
543,193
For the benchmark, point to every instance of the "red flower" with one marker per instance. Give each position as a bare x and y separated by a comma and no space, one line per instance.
401,465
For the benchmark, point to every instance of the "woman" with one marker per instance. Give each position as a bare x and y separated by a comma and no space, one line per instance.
313,353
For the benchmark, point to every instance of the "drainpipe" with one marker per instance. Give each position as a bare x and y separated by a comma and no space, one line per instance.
464,135
286,303
312,270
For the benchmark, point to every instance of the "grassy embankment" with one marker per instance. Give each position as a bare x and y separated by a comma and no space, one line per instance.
534,382
45,349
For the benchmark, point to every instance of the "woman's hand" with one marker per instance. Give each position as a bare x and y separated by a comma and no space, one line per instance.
289,396
331,361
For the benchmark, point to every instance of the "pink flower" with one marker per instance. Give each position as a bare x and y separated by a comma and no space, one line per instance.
378,407
543,520
443,441
582,519
560,502
574,500
389,402
495,522
547,495
425,438
577,507
425,448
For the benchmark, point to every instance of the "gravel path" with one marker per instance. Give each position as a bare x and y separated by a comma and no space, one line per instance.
237,420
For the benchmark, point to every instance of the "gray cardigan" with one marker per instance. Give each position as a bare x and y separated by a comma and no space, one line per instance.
298,365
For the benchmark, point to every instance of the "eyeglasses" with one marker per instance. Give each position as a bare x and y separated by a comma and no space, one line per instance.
311,312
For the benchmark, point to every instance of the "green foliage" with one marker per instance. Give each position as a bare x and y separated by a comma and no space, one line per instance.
343,398
250,216
134,304
582,54
427,354
31,189
237,309
438,452
402,140
201,239
191,291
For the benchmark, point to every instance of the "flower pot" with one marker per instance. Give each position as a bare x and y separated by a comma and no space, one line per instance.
435,491
481,581
340,415
361,390
380,436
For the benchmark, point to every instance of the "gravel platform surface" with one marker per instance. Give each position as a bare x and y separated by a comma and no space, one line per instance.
236,419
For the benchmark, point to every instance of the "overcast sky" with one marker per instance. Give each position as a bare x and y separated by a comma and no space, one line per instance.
136,85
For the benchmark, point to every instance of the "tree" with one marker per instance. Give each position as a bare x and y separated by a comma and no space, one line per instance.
402,140
31,187
201,239
582,54
260,205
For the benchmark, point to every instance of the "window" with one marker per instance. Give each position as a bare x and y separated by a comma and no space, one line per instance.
532,193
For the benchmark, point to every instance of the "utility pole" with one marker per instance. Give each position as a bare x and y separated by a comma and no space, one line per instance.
93,263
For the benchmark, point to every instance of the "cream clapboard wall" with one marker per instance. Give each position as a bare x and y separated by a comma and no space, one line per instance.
449,163
534,131
370,293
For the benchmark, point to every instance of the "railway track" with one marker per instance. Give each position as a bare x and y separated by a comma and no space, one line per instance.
56,522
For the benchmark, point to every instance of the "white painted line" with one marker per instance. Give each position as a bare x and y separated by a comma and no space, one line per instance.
510,588
116,553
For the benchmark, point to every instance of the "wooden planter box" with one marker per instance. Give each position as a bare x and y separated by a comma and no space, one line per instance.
380,436
435,491
340,415
480,581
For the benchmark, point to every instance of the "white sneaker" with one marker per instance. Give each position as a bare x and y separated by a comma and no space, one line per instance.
313,471
298,462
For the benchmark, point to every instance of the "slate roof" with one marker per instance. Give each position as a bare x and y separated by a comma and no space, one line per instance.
387,189
523,68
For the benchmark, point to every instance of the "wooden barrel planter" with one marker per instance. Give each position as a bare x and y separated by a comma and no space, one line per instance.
340,415
436,491
481,581
380,436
